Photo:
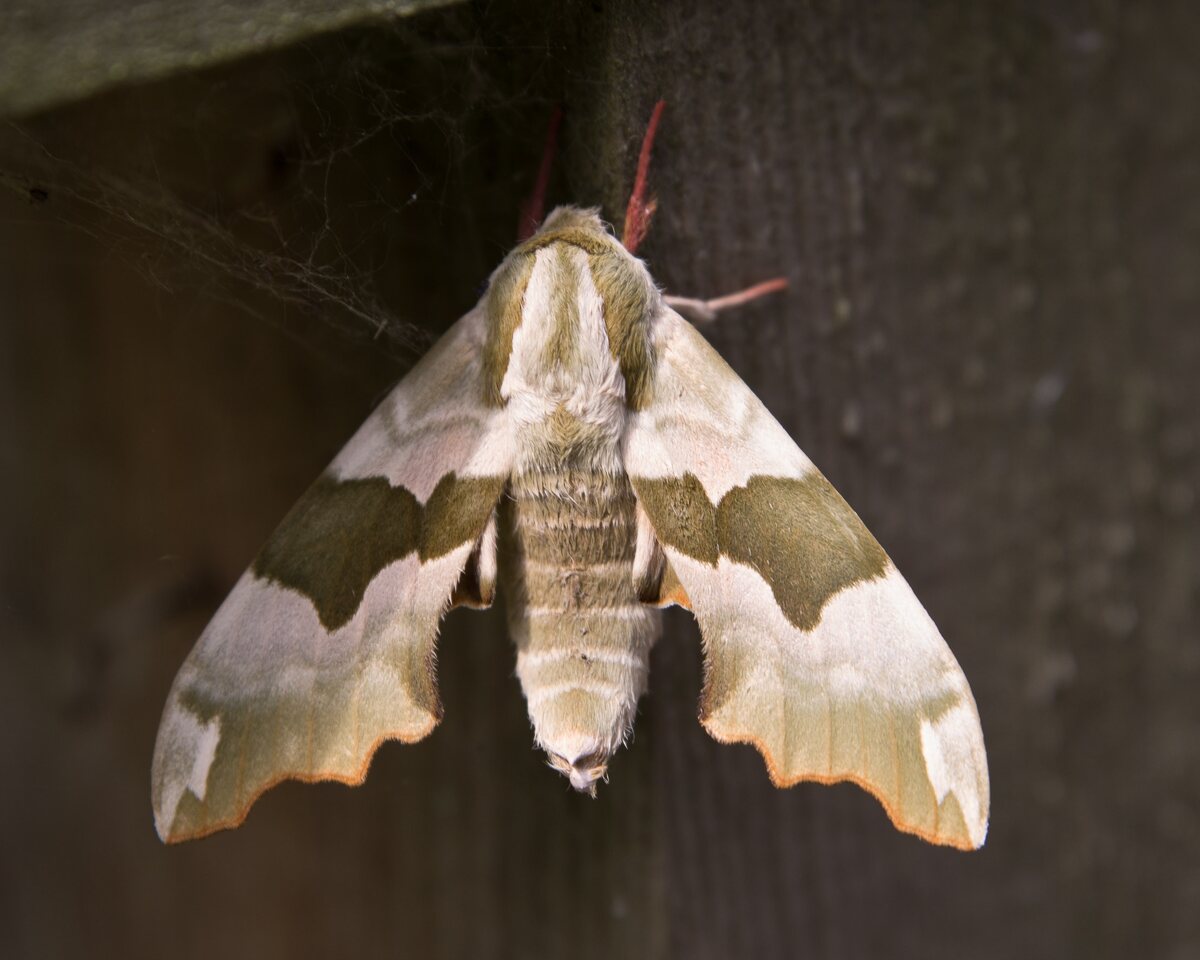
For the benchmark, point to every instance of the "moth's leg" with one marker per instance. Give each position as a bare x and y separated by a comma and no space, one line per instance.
653,577
706,311
533,210
649,561
476,585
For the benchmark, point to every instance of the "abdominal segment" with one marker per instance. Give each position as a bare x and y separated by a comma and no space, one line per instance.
583,638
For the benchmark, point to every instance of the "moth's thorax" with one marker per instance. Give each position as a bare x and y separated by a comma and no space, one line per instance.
568,342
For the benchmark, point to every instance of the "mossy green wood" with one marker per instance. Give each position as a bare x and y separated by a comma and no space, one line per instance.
53,52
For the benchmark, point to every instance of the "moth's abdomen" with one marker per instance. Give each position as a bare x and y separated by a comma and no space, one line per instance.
583,638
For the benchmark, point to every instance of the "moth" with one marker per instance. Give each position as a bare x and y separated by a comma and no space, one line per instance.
576,443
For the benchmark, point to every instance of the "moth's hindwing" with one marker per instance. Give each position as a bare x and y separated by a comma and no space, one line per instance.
325,647
817,651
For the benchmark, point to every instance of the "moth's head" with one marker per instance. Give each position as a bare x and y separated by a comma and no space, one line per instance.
572,256
580,227
582,219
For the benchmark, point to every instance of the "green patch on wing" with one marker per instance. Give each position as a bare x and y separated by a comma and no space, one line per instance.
625,289
800,536
682,515
342,533
456,513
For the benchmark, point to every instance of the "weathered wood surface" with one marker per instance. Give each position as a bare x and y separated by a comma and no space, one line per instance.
988,213
55,52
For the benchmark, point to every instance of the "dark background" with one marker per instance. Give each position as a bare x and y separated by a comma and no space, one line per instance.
989,215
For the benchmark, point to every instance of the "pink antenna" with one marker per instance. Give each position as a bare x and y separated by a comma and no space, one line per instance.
534,208
640,210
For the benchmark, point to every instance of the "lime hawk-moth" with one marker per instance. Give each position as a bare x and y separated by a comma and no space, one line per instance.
574,442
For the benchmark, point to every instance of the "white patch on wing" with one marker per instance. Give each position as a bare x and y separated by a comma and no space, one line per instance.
704,420
935,762
185,752
948,745
437,417
495,450
429,456
206,750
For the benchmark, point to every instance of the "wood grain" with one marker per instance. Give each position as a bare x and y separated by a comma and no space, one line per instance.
987,212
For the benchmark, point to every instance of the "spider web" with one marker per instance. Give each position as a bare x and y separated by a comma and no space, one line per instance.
367,180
